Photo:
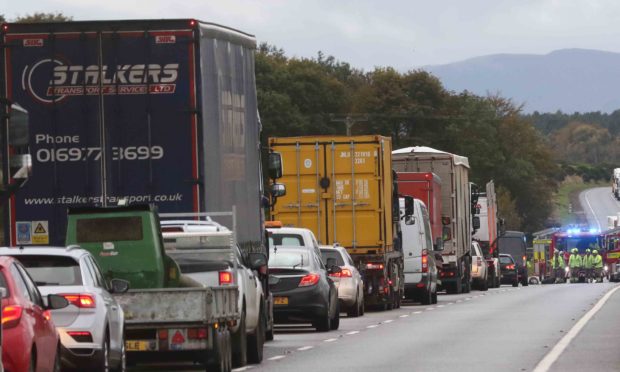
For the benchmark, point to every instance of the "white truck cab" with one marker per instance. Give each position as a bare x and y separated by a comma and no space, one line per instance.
420,267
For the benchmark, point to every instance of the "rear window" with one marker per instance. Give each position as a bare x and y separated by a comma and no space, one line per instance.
331,253
505,260
52,270
289,259
3,285
95,230
286,239
512,246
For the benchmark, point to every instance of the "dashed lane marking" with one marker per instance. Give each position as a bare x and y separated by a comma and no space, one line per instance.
353,333
430,308
388,321
277,357
330,340
416,312
372,326
304,348
241,369
404,316
440,306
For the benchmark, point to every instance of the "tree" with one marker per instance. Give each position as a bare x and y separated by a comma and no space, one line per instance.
43,17
2,19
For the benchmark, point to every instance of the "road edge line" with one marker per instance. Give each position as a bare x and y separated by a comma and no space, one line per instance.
552,356
585,196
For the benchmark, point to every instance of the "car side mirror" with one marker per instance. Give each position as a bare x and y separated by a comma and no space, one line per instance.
55,302
119,285
334,269
257,260
275,165
277,190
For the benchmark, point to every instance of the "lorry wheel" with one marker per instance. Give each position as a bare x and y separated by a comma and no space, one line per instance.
257,340
335,323
240,344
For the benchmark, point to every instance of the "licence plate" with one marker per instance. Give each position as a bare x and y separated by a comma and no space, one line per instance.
138,345
280,301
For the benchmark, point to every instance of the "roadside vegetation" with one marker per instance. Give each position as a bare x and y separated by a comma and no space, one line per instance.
568,209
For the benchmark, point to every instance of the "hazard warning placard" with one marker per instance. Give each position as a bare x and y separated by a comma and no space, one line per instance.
40,232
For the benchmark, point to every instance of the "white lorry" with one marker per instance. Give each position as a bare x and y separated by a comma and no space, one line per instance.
487,234
453,170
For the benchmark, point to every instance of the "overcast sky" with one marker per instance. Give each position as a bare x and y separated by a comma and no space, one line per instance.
401,33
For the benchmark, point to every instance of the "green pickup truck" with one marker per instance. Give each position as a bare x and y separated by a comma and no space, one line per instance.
168,317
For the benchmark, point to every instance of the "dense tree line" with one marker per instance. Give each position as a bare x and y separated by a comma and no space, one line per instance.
301,96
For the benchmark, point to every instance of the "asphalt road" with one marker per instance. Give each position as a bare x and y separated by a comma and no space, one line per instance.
507,329
598,203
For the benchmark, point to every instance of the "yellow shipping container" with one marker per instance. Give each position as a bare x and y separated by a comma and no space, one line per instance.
339,187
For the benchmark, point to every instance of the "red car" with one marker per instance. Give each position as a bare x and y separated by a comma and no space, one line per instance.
29,338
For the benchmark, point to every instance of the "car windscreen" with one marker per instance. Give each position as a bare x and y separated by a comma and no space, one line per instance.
286,239
52,270
331,253
279,258
111,229
505,260
3,285
512,246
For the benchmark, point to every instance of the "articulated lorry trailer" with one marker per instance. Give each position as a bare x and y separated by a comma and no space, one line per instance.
344,190
455,206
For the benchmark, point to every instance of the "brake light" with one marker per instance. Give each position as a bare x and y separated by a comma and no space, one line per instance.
510,267
309,280
345,273
424,261
11,315
374,266
83,301
81,336
225,277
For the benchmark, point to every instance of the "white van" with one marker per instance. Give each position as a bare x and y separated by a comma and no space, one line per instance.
420,267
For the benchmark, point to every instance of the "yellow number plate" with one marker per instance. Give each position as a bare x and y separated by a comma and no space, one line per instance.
280,300
137,345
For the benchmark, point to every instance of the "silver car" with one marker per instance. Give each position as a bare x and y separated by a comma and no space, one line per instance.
91,327
348,281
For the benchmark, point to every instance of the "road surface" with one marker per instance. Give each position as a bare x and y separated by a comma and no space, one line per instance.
598,203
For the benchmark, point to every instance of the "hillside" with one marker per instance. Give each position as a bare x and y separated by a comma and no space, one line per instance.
568,80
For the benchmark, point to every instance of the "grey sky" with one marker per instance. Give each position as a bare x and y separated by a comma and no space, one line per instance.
399,33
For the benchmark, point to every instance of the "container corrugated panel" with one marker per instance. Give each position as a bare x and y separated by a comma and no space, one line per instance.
340,188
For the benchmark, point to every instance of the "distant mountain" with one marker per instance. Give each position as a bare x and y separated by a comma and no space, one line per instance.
569,79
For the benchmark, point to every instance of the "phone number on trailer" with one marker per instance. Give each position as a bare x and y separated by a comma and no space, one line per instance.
94,153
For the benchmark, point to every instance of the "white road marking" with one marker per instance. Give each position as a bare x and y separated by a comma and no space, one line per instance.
585,196
450,303
458,301
305,348
388,321
373,326
417,312
468,299
240,369
277,357
404,316
330,340
353,332
430,308
545,364
439,306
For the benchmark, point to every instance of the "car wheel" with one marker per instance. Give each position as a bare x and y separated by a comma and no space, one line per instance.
33,360
434,297
323,324
354,311
427,298
484,286
257,340
103,364
362,306
240,342
122,363
57,360
515,283
335,323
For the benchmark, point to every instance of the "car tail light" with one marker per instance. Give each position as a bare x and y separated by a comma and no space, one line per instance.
524,258
374,266
11,315
446,274
345,273
424,261
309,280
510,267
81,336
226,277
197,333
83,301
47,315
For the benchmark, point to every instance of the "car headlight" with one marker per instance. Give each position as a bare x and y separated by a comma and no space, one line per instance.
566,269
606,268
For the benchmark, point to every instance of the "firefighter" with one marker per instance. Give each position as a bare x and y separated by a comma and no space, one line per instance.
558,264
597,265
574,262
587,264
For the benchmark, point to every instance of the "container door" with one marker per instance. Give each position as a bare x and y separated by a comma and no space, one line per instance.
354,201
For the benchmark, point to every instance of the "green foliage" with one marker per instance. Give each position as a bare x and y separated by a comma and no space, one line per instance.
43,17
304,96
